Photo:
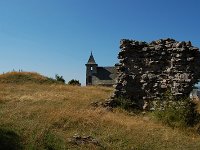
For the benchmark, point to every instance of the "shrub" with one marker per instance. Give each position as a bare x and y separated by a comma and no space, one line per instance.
59,78
74,82
179,113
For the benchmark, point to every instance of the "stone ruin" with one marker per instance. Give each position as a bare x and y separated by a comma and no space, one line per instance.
147,70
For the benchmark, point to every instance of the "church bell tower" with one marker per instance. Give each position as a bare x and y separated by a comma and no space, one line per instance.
91,69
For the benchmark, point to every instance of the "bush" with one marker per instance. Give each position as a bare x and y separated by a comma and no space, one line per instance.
74,82
59,78
180,113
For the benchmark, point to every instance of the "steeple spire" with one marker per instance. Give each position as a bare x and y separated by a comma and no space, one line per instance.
91,59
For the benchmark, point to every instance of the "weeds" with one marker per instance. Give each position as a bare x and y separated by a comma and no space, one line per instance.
53,142
177,113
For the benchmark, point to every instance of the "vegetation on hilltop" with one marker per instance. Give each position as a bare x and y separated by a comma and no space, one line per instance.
41,116
74,82
26,77
59,78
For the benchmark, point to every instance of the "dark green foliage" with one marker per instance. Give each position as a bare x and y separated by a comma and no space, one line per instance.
180,113
59,78
74,82
126,104
9,140
191,116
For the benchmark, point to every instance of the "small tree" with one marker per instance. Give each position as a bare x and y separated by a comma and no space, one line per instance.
74,82
59,78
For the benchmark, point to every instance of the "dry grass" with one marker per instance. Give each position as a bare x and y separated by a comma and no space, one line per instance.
198,107
25,77
46,116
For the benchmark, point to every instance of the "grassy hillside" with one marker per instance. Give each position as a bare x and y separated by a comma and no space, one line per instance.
25,77
40,116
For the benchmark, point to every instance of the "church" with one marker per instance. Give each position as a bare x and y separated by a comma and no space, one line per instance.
103,76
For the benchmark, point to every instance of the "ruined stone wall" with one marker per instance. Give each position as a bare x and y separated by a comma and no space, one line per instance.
147,70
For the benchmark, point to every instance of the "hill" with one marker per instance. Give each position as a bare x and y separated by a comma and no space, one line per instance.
60,117
26,77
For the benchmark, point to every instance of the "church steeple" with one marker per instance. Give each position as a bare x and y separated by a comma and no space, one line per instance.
91,59
91,69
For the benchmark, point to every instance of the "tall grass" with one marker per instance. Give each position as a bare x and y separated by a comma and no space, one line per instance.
47,116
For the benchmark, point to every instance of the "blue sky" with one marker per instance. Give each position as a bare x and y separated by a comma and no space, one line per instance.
56,36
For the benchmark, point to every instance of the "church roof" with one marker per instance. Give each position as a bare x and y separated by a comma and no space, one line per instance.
105,76
91,60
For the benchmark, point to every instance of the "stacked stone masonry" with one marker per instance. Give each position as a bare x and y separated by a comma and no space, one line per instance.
147,70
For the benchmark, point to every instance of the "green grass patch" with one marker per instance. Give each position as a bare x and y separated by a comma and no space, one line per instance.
180,113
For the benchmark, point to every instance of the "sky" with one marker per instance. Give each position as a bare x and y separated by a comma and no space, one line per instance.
56,36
